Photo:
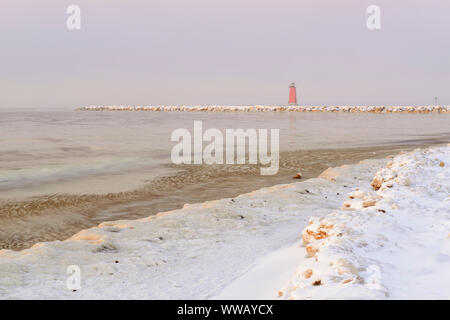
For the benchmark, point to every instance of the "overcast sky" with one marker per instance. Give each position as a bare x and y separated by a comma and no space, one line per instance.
223,52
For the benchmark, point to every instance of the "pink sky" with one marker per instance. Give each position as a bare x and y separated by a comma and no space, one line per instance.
223,52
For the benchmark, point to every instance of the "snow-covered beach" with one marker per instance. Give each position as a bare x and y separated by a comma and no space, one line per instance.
220,158
389,240
356,242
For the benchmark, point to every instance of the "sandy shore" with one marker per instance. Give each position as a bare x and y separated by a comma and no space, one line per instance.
193,252
200,250
259,108
27,221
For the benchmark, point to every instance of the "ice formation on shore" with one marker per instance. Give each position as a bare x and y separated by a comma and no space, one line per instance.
191,253
391,239
387,243
261,108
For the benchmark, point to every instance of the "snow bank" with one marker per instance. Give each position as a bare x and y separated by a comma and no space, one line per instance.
387,243
390,239
191,253
259,108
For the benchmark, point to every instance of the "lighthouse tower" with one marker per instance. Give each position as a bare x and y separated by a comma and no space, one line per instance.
292,95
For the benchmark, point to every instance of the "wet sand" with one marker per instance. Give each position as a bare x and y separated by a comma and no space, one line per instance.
59,216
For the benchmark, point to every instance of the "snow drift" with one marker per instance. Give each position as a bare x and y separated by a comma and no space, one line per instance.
390,239
392,242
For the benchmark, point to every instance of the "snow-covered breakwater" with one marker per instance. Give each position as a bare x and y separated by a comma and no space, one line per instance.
260,108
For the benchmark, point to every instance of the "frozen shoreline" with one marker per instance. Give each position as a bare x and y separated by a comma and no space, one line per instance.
389,240
260,108
207,249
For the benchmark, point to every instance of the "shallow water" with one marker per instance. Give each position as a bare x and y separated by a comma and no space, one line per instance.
62,170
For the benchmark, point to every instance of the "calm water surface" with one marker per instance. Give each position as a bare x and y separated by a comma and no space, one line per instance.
62,170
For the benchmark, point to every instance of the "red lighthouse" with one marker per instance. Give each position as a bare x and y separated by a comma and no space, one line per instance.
292,95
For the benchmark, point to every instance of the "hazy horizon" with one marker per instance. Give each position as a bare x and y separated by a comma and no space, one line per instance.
223,52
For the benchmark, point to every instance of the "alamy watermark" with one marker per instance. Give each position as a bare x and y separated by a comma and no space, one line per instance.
73,21
73,281
373,280
374,20
193,152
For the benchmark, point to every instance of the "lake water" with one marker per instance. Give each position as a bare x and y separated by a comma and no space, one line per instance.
63,170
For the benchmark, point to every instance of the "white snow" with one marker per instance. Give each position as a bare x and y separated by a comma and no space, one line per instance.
396,246
263,281
250,246
282,108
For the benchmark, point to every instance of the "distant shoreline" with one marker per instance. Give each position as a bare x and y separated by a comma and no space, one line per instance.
260,108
